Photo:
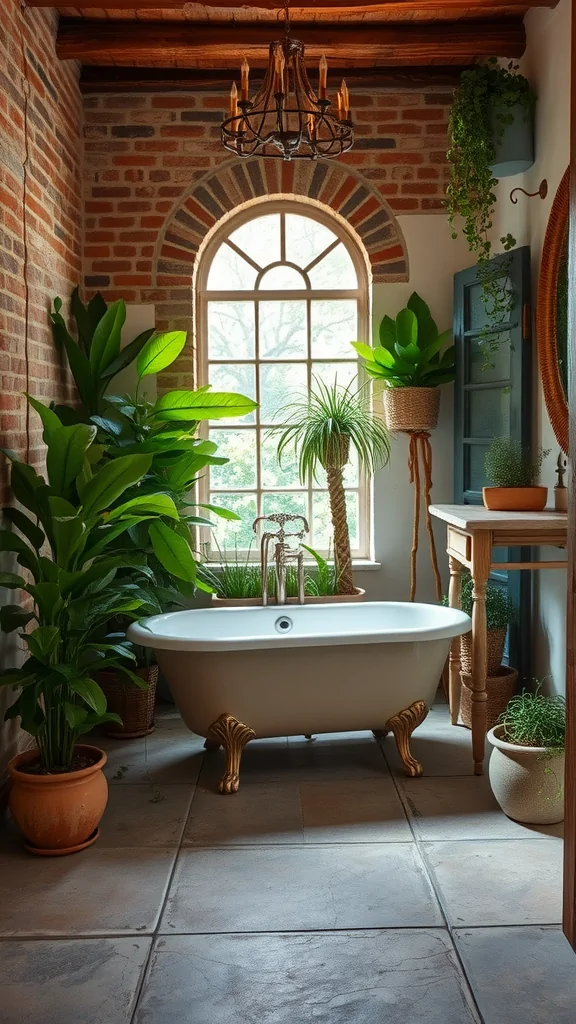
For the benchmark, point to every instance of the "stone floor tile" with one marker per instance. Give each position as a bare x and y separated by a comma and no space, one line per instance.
331,978
95,892
257,814
145,815
520,975
279,888
462,808
353,811
165,758
71,982
498,882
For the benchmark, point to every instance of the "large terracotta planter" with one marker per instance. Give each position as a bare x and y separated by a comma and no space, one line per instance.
528,782
515,499
60,813
255,602
411,408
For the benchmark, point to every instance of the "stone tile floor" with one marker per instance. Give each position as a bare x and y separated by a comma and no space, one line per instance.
330,890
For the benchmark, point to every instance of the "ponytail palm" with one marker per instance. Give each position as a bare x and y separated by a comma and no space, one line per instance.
322,429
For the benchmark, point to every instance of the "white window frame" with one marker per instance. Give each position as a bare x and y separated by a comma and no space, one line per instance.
362,294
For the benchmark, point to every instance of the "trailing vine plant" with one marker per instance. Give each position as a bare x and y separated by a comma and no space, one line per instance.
481,110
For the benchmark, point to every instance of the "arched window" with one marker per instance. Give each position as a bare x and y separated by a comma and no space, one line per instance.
282,291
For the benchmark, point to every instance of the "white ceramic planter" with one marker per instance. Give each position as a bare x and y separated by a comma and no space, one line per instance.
527,782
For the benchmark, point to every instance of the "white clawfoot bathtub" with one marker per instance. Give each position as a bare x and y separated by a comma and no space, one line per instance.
240,673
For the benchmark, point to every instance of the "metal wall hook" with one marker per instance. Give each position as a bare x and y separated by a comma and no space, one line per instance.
542,192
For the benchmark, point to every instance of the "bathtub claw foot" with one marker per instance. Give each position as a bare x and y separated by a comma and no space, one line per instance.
233,736
403,725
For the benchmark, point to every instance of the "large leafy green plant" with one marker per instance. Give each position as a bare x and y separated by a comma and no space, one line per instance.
64,538
410,351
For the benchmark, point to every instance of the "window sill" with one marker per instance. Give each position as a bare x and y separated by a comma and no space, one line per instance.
358,564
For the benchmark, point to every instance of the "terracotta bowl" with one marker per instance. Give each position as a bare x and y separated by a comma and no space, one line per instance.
515,499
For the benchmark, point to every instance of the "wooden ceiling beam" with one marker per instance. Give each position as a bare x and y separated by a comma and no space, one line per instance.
418,8
95,79
185,44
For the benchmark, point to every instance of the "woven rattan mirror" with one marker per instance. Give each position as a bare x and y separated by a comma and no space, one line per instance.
552,314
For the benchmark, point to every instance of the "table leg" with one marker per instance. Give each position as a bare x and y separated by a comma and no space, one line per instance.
455,681
481,552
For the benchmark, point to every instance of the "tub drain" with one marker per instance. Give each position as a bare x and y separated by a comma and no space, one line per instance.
283,624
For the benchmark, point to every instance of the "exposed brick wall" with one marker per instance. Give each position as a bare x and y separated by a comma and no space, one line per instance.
40,254
158,178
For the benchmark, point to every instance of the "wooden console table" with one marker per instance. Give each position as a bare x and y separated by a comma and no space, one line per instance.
472,533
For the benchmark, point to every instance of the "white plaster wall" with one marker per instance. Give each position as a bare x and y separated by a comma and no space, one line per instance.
547,65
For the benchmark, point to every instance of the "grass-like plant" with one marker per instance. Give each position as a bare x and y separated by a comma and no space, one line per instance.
500,608
533,720
321,429
509,464
240,578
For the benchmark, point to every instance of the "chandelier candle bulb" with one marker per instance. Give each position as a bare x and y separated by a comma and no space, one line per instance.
234,100
345,99
323,77
244,81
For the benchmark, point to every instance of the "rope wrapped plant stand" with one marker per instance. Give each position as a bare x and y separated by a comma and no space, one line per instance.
420,452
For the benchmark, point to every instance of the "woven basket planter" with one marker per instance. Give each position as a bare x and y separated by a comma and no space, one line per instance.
499,690
135,706
411,408
495,640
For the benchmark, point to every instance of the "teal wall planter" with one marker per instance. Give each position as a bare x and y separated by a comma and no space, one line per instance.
515,150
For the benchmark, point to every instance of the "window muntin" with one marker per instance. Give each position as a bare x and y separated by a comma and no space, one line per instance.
280,299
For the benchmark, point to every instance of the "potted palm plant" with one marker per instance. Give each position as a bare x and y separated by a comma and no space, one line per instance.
166,429
322,429
527,762
513,472
65,539
410,361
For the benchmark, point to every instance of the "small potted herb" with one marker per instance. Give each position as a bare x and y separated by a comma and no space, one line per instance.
527,762
513,472
410,361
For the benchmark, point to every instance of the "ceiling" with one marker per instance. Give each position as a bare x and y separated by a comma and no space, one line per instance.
183,42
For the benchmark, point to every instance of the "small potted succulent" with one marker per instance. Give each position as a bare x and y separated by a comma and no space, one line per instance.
413,361
512,472
527,762
322,429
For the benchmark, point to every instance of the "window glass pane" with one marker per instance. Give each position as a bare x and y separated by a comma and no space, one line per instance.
305,239
350,474
488,412
334,325
239,377
231,330
474,472
235,534
274,475
479,312
484,367
240,447
336,270
286,501
283,330
283,277
342,373
229,272
260,239
280,384
322,533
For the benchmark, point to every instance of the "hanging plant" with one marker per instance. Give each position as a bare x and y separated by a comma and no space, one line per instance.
482,109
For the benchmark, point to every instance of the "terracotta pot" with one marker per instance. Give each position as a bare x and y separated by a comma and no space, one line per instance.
528,782
256,602
411,408
60,813
515,499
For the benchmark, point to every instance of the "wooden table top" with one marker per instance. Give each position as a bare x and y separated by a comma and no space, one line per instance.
471,518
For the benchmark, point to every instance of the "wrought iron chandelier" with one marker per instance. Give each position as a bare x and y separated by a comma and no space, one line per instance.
286,119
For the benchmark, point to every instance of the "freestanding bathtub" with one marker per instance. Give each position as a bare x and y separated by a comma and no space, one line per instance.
285,670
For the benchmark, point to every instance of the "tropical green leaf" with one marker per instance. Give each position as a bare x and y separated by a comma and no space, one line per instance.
363,350
155,504
65,456
383,357
42,642
387,333
12,581
173,552
218,510
406,328
427,329
48,599
79,363
25,486
12,617
32,532
75,715
160,352
106,338
50,420
111,481
90,693
202,405
126,356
